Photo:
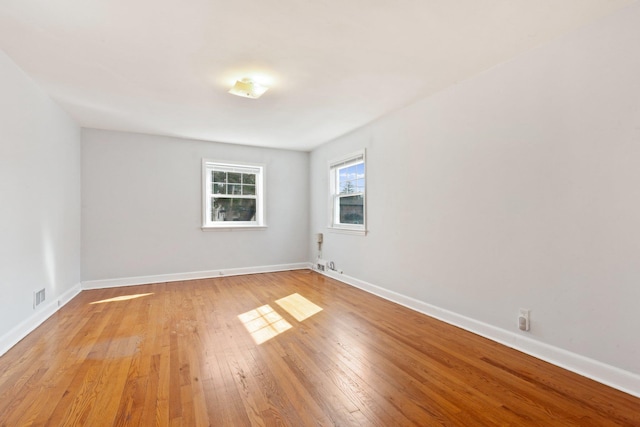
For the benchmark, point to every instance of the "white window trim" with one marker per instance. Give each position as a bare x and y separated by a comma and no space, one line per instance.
260,223
357,229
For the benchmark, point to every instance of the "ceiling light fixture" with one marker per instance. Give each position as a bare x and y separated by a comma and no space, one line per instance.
247,88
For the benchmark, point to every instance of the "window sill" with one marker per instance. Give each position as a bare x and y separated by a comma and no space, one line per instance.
354,231
234,228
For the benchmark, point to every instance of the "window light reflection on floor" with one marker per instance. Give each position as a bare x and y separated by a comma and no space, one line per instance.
298,306
264,323
121,298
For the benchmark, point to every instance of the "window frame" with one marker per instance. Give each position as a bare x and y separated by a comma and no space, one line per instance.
335,166
209,166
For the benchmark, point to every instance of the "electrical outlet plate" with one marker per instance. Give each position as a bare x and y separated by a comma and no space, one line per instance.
524,320
38,297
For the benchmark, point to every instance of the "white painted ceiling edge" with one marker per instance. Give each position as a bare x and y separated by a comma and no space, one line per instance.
164,67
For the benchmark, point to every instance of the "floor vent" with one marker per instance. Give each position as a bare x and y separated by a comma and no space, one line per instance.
38,298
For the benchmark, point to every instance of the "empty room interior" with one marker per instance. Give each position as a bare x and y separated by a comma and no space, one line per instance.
366,213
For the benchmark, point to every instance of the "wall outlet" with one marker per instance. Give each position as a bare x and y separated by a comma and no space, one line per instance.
321,265
38,297
523,319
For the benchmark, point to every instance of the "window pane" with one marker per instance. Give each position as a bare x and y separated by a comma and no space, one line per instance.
234,177
219,176
347,179
219,188
248,178
360,186
348,187
219,209
351,172
249,190
229,209
344,174
234,188
351,210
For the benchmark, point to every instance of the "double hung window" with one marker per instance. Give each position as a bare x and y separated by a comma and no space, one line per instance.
233,195
348,190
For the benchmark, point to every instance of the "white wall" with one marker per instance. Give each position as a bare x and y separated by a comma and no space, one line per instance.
517,188
142,208
39,201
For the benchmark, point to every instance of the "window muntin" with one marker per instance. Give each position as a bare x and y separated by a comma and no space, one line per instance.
233,195
348,190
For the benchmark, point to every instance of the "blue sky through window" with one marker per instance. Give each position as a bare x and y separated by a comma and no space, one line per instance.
351,179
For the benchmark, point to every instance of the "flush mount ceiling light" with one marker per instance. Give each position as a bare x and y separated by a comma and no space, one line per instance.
247,88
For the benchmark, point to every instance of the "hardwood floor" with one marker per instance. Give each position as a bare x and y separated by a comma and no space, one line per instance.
186,353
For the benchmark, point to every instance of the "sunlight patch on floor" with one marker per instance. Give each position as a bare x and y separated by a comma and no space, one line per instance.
121,298
264,323
298,306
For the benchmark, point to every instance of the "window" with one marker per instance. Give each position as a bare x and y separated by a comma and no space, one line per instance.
347,177
233,195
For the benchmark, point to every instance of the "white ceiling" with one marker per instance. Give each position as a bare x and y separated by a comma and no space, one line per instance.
164,66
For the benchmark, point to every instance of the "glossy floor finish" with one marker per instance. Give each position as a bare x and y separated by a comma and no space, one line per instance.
187,353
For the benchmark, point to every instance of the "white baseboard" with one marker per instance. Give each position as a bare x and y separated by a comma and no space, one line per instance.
620,379
175,277
41,314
